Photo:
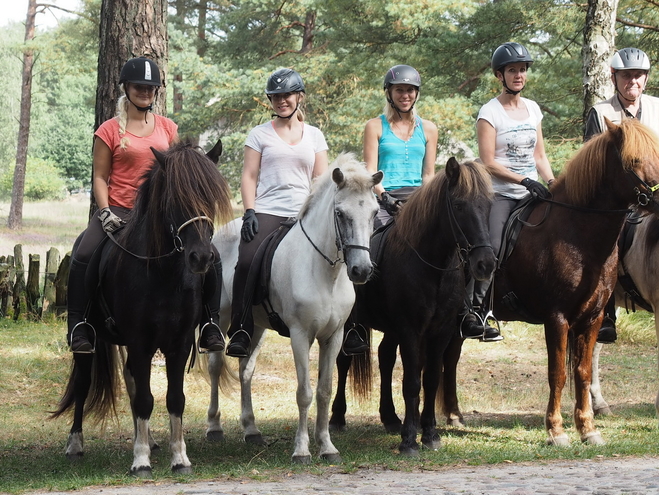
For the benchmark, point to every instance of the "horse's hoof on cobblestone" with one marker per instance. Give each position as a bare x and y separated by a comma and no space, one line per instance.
593,438
256,439
331,458
392,428
181,469
301,459
561,440
215,436
143,472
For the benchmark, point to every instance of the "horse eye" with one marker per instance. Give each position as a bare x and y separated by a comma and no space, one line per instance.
339,213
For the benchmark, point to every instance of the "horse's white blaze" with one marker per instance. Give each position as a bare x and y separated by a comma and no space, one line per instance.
177,443
311,296
141,448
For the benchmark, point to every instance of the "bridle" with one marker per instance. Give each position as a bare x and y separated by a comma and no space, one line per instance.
462,245
341,247
176,239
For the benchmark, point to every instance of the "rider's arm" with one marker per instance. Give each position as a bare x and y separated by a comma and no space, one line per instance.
593,125
320,163
372,133
429,159
249,178
102,167
486,146
541,160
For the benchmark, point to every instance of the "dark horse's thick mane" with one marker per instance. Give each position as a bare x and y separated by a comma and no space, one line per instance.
424,204
357,178
586,170
188,185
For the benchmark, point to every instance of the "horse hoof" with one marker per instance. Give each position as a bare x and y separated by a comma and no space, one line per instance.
155,447
215,436
561,440
409,452
602,411
181,469
337,428
301,459
455,422
593,438
256,439
142,472
75,457
434,444
392,428
331,458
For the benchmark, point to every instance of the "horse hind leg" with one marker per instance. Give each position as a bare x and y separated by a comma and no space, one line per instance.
81,383
337,421
251,433
214,431
447,396
600,406
386,362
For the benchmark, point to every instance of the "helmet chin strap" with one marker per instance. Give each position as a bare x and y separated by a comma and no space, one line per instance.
398,110
145,109
288,117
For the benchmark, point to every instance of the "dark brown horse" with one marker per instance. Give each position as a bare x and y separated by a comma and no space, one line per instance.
563,268
419,286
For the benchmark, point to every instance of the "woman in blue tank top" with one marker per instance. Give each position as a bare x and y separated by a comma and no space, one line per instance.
399,142
404,147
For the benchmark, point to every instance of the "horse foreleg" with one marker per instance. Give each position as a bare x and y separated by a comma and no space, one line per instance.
142,406
583,410
247,366
556,352
214,431
81,383
448,391
386,362
337,421
600,405
304,395
130,390
429,436
326,359
180,464
409,352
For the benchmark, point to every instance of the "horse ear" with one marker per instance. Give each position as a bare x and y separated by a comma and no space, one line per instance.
338,177
377,177
215,153
452,168
159,156
610,126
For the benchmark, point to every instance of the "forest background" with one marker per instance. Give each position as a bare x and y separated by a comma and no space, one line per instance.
221,52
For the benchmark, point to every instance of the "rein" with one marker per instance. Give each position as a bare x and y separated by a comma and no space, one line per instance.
178,243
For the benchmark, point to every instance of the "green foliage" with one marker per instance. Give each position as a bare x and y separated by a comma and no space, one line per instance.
42,181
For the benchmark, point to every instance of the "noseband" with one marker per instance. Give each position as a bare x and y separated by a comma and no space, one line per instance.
645,194
178,242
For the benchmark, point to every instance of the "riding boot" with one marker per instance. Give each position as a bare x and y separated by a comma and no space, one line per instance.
241,337
210,334
81,335
607,333
355,340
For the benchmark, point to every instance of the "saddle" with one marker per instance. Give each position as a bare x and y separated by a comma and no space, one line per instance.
632,296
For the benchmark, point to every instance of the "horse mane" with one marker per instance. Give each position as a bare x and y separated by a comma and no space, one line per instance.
356,175
188,184
585,171
426,203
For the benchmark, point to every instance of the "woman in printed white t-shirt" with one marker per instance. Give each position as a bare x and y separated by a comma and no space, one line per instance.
511,146
282,157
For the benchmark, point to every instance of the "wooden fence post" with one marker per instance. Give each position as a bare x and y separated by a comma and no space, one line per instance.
5,288
19,300
32,292
49,289
61,284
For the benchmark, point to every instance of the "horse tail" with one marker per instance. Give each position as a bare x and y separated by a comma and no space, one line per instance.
227,376
99,372
361,378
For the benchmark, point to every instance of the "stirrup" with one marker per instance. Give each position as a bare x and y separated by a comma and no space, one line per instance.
249,342
490,316
201,333
73,330
364,345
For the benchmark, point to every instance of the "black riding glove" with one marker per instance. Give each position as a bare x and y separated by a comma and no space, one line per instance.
250,225
536,189
391,204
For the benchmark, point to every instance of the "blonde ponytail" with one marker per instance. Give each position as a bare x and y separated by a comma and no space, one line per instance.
122,117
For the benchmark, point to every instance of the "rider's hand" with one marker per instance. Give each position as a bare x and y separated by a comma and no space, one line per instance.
536,189
110,221
250,225
391,204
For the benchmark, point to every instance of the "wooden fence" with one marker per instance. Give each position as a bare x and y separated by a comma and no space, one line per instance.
36,296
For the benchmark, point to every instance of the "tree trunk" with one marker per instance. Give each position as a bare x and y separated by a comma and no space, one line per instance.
201,28
129,28
598,48
15,220
309,32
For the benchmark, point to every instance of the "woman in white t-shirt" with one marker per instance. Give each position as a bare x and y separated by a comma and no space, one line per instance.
511,146
282,157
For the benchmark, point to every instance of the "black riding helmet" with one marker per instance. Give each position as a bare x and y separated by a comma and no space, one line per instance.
284,81
140,70
401,74
509,53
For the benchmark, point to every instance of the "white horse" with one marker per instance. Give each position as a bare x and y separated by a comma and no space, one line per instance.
641,263
312,293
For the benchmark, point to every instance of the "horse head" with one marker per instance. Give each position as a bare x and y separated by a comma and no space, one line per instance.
355,207
178,202
468,202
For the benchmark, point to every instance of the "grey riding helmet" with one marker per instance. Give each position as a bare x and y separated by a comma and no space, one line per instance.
140,70
630,59
284,81
510,53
